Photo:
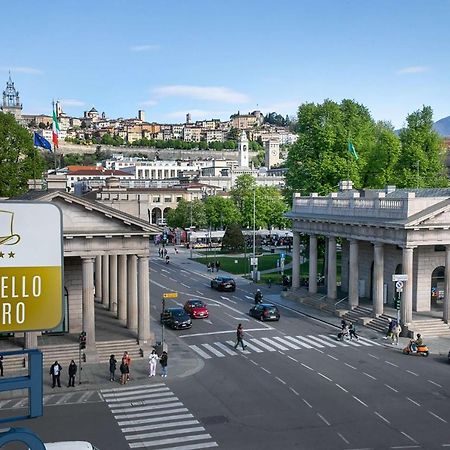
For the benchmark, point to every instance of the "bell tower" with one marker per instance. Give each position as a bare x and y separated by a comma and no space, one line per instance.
243,150
11,100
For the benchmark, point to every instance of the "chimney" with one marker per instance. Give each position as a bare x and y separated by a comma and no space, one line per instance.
56,182
35,185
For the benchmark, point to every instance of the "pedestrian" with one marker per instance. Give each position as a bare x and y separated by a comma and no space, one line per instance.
152,359
1,365
217,265
127,358
240,337
352,331
55,372
165,252
72,372
396,334
176,251
343,323
208,267
124,370
163,362
391,326
112,368
213,266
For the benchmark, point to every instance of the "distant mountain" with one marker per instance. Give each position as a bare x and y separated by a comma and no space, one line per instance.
442,126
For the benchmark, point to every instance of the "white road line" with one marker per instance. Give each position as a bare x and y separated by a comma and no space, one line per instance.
141,390
47,398
314,344
221,332
321,341
361,341
173,279
225,348
85,396
413,401
106,392
391,364
373,356
343,438
349,365
64,398
294,391
144,404
368,375
274,343
413,373
157,426
285,342
350,342
360,401
185,285
156,434
254,362
307,367
161,442
147,410
324,376
382,417
265,370
20,403
150,413
261,344
247,296
252,347
323,419
298,342
333,340
232,344
370,341
213,350
391,388
308,404
318,350
293,359
280,380
200,352
199,292
436,384
437,417
409,437
155,419
139,397
340,387
194,446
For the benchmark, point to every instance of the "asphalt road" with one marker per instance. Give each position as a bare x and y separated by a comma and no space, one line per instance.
294,387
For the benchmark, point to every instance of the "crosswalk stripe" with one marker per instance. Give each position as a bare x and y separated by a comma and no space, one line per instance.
156,419
165,433
314,344
328,344
289,344
158,426
151,413
64,398
263,345
142,403
252,347
169,441
334,340
130,388
20,403
141,397
147,406
275,344
200,352
232,344
370,341
213,350
225,348
141,391
350,342
194,446
361,342
297,341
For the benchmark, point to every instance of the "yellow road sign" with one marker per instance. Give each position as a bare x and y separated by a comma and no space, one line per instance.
31,266
170,295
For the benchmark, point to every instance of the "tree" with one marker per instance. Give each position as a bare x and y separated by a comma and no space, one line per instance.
107,139
19,160
233,240
276,119
181,216
233,134
220,212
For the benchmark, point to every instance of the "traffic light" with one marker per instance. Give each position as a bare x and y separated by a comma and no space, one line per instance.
82,340
397,302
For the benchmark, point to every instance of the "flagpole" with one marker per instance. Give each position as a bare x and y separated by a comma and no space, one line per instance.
54,146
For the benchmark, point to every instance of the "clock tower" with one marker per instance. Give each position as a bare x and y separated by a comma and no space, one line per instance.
272,153
243,150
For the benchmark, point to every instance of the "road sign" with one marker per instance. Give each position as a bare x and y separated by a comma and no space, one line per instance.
253,261
400,277
31,266
399,286
170,295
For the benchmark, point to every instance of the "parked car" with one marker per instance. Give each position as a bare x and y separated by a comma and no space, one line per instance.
176,318
223,284
265,311
196,309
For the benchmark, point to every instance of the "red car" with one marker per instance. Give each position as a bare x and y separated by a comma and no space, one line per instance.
196,309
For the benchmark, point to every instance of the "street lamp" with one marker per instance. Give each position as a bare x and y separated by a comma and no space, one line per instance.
254,265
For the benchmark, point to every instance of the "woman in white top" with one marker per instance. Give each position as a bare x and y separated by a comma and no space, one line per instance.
152,360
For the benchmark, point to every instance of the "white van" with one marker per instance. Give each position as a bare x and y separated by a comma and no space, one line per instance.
70,445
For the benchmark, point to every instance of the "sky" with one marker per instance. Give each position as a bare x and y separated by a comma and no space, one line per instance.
214,58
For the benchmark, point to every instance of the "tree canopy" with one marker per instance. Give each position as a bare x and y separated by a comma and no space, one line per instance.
19,160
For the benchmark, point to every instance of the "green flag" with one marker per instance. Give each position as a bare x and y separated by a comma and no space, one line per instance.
352,150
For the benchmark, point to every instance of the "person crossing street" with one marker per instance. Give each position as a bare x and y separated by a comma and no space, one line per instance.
240,337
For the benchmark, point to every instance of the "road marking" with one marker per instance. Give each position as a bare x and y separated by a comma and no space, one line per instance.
285,342
307,367
436,384
152,413
382,417
173,441
20,403
85,396
213,350
293,359
155,420
323,419
225,348
343,438
254,362
373,356
274,343
280,380
368,375
232,344
173,279
141,396
263,345
158,426
340,387
322,341
409,437
413,401
294,391
247,296
147,407
199,292
308,404
200,352
333,340
265,370
64,398
413,373
437,417
252,347
370,341
185,285
137,390
315,344
164,433
391,388
222,332
351,367
297,341
164,270
324,376
317,350
332,357
360,401
391,364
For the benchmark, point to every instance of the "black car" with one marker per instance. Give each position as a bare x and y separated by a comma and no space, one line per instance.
265,311
223,284
176,318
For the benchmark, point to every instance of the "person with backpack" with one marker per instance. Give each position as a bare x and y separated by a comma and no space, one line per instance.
352,331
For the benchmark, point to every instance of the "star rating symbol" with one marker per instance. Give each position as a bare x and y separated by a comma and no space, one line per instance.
11,254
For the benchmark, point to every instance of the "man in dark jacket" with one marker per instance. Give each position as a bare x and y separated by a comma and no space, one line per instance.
55,372
163,361
72,373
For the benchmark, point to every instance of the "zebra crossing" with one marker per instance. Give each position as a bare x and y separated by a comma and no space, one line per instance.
153,417
277,343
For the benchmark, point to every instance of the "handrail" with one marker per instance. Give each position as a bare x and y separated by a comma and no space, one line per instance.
340,301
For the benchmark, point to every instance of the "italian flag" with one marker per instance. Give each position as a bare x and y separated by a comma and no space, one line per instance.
55,128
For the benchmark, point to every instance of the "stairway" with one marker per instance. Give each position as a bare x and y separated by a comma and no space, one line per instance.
107,348
430,328
380,323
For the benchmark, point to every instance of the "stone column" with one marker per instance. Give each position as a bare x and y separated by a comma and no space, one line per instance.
353,276
378,279
132,305
143,300
113,283
98,278
296,260
88,300
446,314
105,280
312,264
30,339
331,276
122,288
406,302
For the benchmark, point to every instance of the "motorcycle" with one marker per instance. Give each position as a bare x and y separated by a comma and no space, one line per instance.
422,350
258,298
167,259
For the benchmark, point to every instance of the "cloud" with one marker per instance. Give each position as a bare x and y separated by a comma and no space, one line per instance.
149,103
211,93
145,48
413,69
68,102
22,69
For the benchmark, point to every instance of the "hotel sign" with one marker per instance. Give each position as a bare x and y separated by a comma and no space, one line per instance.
31,266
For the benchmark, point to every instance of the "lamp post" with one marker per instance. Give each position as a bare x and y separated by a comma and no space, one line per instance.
254,265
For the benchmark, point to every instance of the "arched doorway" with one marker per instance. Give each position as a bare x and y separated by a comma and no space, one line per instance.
156,214
437,288
166,210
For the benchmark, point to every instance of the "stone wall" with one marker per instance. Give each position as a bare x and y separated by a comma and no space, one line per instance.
73,284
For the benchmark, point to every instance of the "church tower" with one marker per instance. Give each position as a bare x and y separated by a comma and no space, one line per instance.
11,100
271,153
243,150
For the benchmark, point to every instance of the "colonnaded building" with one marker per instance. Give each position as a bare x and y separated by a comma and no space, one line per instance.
382,232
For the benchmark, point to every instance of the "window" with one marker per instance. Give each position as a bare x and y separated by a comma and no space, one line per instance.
439,248
156,199
178,199
167,199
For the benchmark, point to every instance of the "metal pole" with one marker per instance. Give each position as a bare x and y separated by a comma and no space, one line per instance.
398,310
254,234
79,364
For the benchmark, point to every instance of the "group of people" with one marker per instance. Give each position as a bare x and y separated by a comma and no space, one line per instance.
162,253
393,332
348,330
55,372
213,265
124,368
153,360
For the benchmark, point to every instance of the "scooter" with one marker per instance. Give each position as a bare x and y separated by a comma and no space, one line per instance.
422,350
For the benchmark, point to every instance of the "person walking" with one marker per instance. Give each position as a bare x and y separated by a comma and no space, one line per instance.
55,372
217,265
124,370
1,365
72,372
240,337
396,334
112,368
152,359
352,331
391,326
127,359
163,362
